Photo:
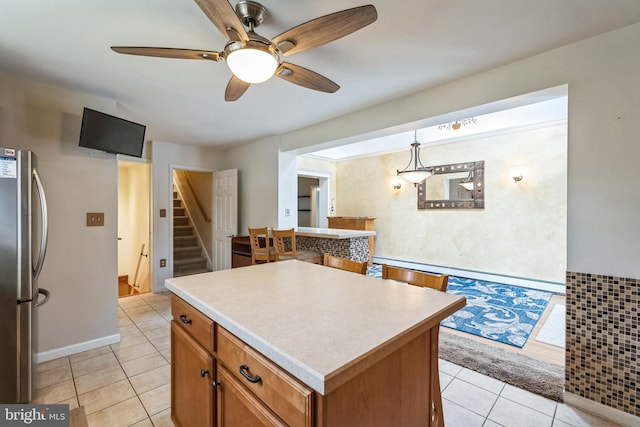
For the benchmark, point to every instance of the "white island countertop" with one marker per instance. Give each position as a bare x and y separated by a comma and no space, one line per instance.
322,325
332,233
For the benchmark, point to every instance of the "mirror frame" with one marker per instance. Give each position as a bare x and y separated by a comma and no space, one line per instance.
478,187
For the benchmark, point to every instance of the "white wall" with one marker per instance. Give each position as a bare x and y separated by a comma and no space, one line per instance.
287,191
80,269
258,183
165,156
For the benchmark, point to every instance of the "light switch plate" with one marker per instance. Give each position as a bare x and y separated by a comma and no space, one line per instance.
95,219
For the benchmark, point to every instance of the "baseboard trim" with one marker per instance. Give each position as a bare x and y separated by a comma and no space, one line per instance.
601,410
556,288
75,348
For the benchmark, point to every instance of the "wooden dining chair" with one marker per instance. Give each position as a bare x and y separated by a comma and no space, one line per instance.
345,264
261,249
439,283
417,278
284,242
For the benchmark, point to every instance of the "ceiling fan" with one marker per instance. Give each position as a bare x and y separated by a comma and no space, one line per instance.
253,58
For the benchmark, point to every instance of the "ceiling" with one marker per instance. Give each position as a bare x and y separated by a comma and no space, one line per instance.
503,120
414,45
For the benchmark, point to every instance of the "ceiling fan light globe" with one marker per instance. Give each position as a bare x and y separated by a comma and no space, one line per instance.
252,65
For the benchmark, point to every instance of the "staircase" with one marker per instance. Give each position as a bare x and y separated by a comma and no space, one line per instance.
187,252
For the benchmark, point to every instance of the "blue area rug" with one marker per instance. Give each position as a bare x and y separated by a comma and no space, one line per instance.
503,313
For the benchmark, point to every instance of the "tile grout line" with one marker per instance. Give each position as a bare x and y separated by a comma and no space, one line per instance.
127,377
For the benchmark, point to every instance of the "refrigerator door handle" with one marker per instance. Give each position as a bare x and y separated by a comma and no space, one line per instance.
46,294
45,228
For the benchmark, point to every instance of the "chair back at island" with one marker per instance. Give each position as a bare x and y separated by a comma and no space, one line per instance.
359,267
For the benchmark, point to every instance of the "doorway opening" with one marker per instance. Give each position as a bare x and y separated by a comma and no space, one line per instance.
191,216
313,199
134,228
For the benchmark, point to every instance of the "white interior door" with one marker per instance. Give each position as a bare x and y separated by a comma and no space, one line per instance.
225,218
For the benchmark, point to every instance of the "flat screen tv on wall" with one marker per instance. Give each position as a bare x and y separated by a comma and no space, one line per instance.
112,134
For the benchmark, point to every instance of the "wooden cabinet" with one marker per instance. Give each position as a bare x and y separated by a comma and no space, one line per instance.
192,373
208,363
192,366
355,223
234,385
240,251
235,403
282,393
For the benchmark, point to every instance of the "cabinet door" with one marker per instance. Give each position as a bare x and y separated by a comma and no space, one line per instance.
237,406
192,372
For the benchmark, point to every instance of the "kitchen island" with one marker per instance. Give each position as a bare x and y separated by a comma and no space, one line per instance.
294,343
350,244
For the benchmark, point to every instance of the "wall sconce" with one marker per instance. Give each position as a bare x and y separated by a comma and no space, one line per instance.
517,176
397,184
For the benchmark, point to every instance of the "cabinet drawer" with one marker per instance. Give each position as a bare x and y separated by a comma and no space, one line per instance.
199,326
289,399
236,403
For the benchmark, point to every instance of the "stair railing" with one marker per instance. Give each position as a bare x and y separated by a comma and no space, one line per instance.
187,181
180,187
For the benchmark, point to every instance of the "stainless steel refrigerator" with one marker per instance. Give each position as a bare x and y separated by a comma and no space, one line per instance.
23,244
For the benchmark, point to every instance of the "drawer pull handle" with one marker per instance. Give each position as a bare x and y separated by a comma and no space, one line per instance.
203,373
183,318
244,370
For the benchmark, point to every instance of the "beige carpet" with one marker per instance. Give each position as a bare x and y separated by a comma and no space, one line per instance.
536,376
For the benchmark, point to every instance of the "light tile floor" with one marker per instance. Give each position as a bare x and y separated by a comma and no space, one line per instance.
127,384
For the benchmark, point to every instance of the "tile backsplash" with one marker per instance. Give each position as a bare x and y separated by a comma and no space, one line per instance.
602,340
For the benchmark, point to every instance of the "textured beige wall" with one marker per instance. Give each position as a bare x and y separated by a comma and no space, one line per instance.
521,232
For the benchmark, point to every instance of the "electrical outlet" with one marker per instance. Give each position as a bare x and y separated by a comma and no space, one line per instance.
95,219
163,262
287,212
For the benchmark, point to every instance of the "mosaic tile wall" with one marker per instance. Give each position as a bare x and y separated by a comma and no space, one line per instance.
356,248
602,340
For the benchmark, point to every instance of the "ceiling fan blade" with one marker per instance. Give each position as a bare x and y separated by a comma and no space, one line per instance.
235,89
306,78
167,52
325,29
221,13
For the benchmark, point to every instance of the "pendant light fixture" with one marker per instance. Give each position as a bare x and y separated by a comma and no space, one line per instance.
415,172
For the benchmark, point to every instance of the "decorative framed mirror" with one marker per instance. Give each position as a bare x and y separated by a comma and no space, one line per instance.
453,186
